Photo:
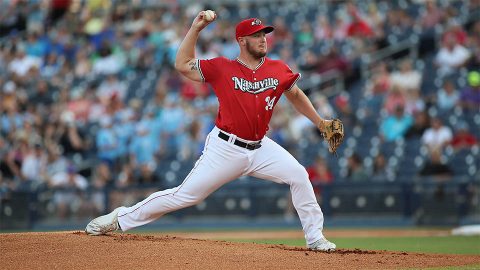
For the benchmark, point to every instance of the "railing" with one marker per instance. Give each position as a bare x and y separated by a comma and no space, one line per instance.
369,60
424,201
328,83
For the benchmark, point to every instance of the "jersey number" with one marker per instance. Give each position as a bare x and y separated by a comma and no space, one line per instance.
270,103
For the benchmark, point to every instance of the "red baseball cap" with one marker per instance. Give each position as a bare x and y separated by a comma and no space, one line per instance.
251,26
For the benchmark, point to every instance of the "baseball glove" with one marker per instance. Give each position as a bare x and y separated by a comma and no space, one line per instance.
333,134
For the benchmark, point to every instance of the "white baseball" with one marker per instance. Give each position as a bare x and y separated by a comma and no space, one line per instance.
209,15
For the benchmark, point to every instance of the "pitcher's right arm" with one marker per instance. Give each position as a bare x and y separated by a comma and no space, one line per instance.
185,61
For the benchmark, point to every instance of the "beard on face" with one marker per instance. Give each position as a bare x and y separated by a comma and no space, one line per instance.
253,52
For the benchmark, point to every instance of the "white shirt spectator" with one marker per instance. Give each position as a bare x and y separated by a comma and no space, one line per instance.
436,138
112,87
448,60
21,65
33,166
111,64
65,179
447,101
406,77
409,80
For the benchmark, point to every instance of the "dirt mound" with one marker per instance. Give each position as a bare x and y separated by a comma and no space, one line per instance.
76,250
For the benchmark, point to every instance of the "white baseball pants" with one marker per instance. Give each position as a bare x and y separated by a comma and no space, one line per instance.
222,162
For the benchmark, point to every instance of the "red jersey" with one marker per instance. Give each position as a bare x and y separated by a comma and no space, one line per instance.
246,96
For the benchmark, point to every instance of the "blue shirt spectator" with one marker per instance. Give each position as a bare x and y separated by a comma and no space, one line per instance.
448,96
395,126
141,148
107,141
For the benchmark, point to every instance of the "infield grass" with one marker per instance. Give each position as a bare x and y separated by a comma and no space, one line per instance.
441,245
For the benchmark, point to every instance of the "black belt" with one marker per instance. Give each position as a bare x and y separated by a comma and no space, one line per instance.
250,146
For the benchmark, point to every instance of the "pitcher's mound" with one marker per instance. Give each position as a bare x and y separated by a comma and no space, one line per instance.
76,250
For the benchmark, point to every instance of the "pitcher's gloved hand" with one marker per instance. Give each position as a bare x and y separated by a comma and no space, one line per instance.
332,132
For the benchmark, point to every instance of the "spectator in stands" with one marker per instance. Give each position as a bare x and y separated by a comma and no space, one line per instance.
124,129
191,90
83,66
69,136
376,20
35,46
107,63
299,126
282,33
142,154
79,104
41,95
380,82
340,28
56,162
101,179
5,172
193,144
173,123
286,55
463,138
437,136
420,124
111,87
344,109
320,102
308,61
435,167
451,56
396,125
432,16
447,97
22,63
67,184
357,27
34,165
380,171
406,78
414,103
323,30
15,157
107,142
51,66
355,170
305,36
9,104
333,61
470,95
319,174
455,30
394,99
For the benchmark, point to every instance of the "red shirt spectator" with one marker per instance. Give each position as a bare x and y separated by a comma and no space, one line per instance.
190,90
463,138
457,33
358,27
319,173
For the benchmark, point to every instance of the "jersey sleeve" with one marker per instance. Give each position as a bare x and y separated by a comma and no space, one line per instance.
291,78
210,69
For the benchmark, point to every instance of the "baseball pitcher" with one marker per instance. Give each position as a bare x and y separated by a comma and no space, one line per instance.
247,88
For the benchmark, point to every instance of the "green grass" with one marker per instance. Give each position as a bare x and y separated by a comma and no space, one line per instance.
442,245
466,267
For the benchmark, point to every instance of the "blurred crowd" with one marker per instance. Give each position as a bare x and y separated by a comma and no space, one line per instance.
89,98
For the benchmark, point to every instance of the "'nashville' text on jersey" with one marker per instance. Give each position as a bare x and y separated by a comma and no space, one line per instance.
255,87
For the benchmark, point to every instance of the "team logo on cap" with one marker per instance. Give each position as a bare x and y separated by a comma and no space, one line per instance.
256,22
